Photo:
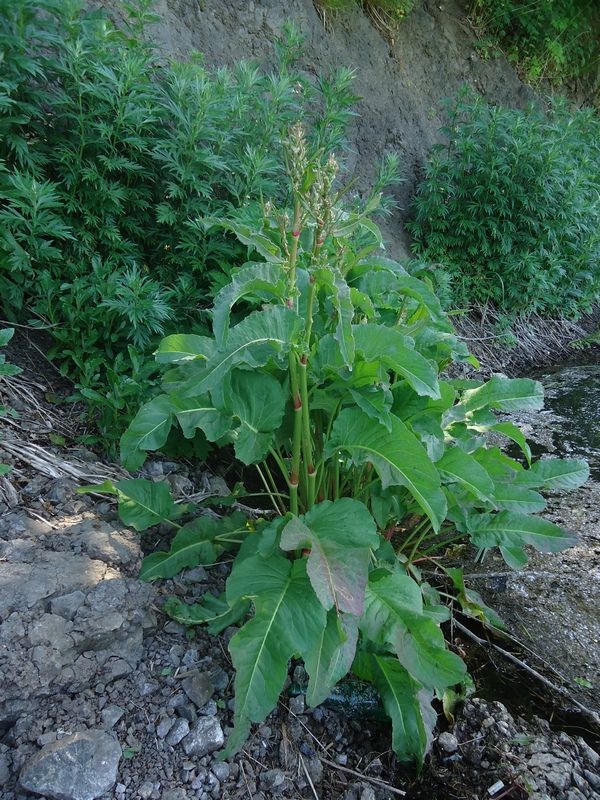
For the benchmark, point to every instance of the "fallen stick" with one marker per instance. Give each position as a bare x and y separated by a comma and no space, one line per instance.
356,774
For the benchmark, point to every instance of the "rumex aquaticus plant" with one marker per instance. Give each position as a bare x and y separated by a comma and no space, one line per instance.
331,387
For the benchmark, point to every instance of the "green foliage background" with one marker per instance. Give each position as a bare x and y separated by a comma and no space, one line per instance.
510,207
109,153
557,39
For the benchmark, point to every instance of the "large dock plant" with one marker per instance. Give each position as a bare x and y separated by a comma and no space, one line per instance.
324,371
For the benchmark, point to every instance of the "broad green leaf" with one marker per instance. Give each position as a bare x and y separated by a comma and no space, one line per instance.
387,505
512,529
6,335
148,430
340,535
419,291
328,355
253,277
499,467
248,236
398,457
5,469
332,656
378,343
510,430
259,337
509,394
341,300
561,473
194,544
184,347
362,302
376,402
165,565
214,612
456,466
512,497
402,700
393,615
200,412
430,434
257,400
514,557
288,619
143,504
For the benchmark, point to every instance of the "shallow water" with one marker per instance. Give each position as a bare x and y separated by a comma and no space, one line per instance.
573,394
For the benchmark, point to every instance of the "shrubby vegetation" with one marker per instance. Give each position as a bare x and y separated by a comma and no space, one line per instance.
556,39
394,10
371,460
109,156
510,207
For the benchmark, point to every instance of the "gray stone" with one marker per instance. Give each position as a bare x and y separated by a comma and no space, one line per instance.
297,705
164,726
111,715
314,767
51,630
62,491
188,711
271,779
205,736
67,605
145,790
587,753
219,678
118,668
174,794
4,769
102,542
178,731
209,710
592,778
448,742
81,766
221,770
198,687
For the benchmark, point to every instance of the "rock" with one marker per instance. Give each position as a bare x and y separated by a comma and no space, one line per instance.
221,770
297,705
145,790
62,490
111,715
164,726
4,769
81,766
448,742
205,736
271,779
178,731
188,711
199,688
67,605
587,753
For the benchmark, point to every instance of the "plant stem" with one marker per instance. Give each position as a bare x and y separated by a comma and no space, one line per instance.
271,489
307,449
297,436
294,252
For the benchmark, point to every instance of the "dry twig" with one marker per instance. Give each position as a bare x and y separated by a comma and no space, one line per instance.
368,778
